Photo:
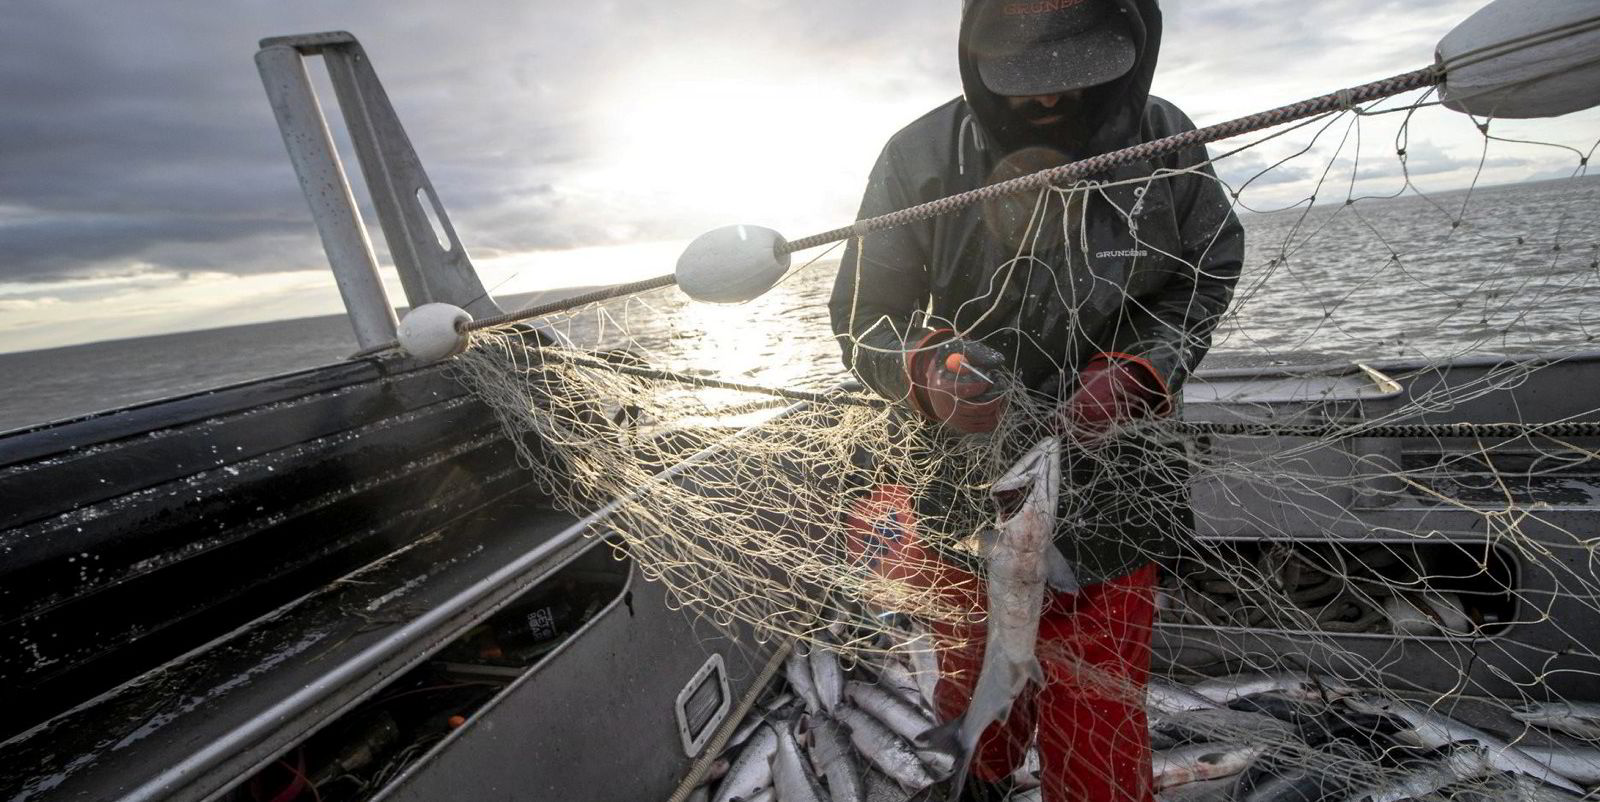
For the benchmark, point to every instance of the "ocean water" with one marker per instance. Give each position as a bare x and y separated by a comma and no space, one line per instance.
1512,269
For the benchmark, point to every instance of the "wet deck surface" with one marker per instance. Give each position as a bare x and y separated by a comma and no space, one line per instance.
1566,478
125,739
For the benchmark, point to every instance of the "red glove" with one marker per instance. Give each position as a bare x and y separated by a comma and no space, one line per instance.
1114,389
958,383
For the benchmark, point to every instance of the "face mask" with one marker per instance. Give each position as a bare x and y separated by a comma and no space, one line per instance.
1063,127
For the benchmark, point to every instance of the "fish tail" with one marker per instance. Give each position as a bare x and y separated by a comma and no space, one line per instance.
947,739
959,779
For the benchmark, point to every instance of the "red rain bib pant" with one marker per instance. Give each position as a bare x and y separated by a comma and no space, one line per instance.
1094,745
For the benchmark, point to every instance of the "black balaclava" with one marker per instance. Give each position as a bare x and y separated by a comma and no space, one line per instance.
1107,118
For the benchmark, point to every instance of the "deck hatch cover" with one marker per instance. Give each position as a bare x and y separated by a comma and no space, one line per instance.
703,704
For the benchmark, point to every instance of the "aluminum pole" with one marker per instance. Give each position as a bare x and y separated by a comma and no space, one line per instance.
327,190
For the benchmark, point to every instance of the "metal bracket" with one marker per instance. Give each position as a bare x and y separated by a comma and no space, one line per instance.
432,263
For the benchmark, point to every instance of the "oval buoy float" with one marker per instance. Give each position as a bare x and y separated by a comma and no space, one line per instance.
1523,58
432,332
732,264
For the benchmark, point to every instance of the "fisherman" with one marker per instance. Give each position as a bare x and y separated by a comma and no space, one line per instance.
1099,299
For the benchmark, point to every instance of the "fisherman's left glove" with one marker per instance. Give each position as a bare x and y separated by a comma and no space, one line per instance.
1113,389
957,382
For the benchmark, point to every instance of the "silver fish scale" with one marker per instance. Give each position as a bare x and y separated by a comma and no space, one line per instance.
885,750
1164,697
1223,690
1218,790
1434,730
797,669
1579,764
906,719
791,774
879,787
896,678
751,771
836,761
1580,719
1464,764
1207,761
827,678
1298,783
1224,725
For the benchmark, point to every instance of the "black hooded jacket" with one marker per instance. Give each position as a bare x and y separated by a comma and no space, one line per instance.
1142,263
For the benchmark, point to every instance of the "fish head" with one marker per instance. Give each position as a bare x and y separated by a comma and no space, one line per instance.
1369,704
1031,487
1467,759
1529,711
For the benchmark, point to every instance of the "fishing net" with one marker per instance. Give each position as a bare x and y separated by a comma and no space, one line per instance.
1389,454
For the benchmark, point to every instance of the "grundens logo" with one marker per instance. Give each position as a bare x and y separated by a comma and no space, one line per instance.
1039,7
1130,252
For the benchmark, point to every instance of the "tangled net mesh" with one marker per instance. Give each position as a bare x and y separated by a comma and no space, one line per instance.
1375,585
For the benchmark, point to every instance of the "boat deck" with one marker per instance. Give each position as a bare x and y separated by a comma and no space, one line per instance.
226,709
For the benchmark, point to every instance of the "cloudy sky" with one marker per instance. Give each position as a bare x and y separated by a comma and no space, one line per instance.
144,187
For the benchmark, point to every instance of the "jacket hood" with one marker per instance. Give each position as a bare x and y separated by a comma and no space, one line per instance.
1115,111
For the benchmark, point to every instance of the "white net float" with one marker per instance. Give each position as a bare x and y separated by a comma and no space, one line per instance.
1524,58
432,332
732,264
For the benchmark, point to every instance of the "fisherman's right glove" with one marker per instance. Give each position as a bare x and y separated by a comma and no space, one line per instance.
1113,389
957,382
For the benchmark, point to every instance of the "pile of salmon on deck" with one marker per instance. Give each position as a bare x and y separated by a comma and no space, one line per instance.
828,732
851,734
1296,738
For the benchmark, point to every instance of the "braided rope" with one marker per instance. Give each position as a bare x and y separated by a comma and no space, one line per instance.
1341,100
730,724
1491,431
1067,173
572,303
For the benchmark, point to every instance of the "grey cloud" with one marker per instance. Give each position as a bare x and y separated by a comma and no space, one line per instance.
1253,170
1341,42
139,132
1425,159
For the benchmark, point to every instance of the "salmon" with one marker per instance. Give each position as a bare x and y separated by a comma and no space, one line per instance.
1021,560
